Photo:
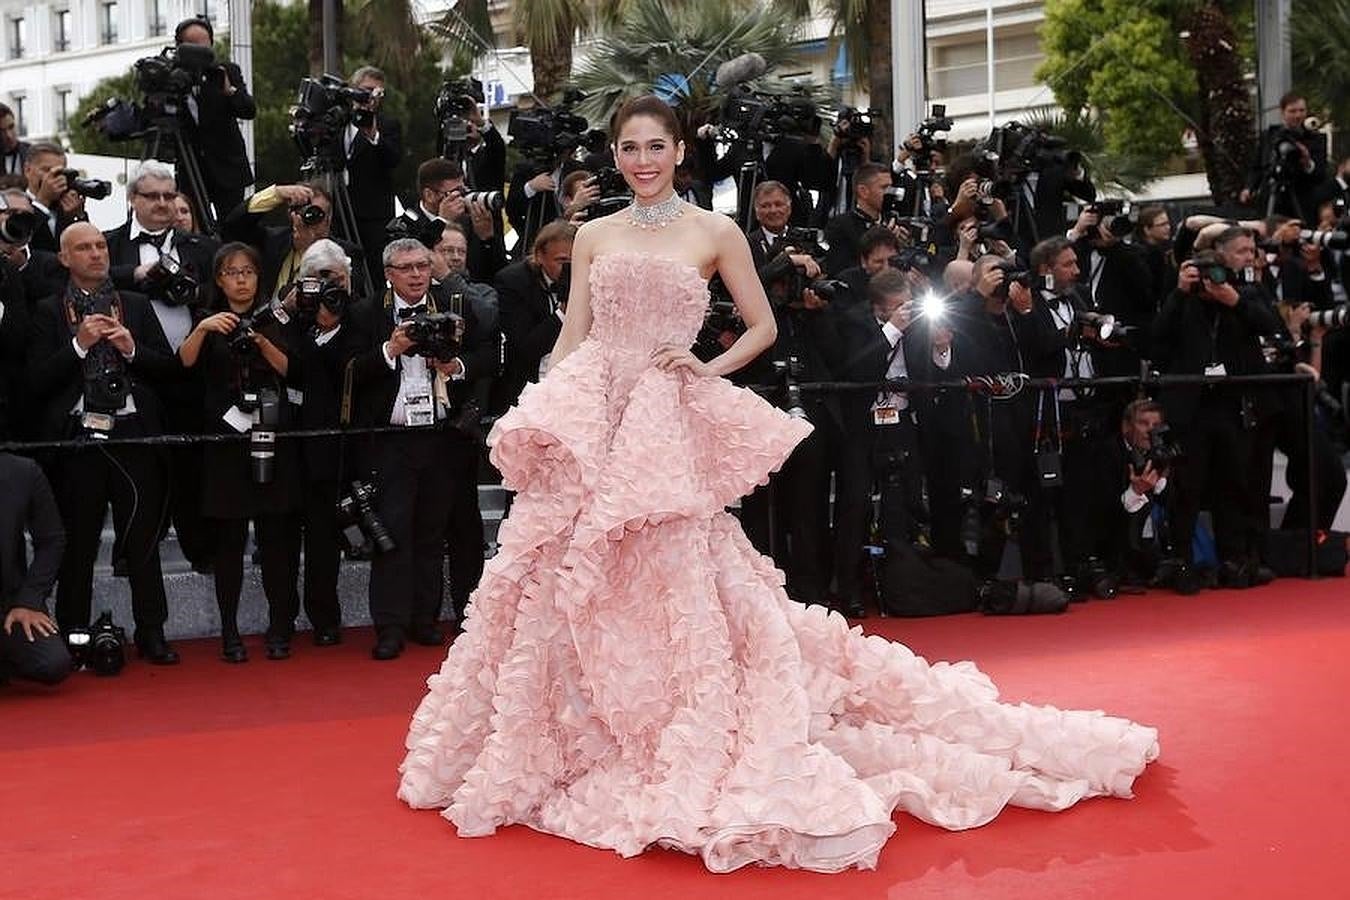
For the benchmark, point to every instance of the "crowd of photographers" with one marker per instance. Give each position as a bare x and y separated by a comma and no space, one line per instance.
344,301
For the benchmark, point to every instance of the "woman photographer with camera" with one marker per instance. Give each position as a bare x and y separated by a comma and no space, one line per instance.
243,356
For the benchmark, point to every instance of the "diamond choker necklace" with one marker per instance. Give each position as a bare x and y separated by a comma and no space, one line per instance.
656,215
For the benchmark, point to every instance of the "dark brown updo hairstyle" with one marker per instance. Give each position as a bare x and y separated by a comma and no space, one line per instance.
646,105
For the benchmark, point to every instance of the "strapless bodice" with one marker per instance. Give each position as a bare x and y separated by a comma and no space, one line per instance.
640,301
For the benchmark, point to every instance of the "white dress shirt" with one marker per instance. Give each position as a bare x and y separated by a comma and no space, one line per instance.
176,321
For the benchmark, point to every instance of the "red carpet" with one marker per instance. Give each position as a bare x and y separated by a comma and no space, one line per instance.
277,779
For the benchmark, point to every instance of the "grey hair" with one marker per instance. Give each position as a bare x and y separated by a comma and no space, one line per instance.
368,72
323,255
403,245
150,168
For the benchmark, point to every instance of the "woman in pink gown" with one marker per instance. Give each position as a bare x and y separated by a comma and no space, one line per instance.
631,672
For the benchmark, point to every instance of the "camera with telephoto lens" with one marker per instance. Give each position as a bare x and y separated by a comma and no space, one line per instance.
908,259
264,405
791,370
851,127
106,383
101,647
1118,216
1286,159
495,201
169,282
309,213
323,109
1330,318
16,225
435,335
362,531
93,188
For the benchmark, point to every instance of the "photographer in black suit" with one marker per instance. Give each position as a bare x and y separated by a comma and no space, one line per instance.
415,472
374,145
1210,326
211,122
1289,166
844,232
54,200
13,350
319,348
798,532
93,356
485,161
39,273
13,151
441,196
532,295
135,250
30,643
310,210
1114,278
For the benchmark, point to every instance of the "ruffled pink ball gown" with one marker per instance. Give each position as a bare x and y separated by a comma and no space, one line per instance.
631,672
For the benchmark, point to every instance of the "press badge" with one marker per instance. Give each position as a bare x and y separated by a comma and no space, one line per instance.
101,424
417,407
1215,370
886,414
237,419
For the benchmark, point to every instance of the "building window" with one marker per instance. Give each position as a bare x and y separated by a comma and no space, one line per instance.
158,20
107,22
960,69
18,37
61,31
65,108
18,103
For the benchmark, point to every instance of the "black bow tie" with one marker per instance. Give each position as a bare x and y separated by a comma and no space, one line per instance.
155,240
409,312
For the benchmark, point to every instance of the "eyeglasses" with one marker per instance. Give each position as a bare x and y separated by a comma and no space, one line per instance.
242,272
158,197
416,267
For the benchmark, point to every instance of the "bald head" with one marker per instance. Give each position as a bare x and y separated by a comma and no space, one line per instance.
958,276
84,251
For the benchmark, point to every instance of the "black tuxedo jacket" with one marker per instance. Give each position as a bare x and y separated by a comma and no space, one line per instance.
273,243
534,212
370,171
1127,290
215,133
1295,285
485,169
530,326
844,235
375,386
1192,331
43,236
12,163
1054,186
27,505
863,354
43,276
317,372
13,349
1305,185
56,374
196,253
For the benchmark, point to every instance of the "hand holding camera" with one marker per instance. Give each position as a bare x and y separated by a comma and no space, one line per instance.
221,323
1146,481
399,343
295,195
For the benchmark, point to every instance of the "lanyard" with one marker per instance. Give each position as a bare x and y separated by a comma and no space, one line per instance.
1040,408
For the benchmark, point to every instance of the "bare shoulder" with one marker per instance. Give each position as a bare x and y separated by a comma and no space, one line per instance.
593,235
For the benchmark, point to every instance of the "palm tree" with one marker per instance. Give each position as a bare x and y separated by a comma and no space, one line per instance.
1084,133
1224,110
864,27
676,51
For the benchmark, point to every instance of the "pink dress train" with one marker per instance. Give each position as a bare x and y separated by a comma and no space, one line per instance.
632,673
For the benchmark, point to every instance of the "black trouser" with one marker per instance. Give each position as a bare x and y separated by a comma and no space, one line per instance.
323,557
1215,467
860,453
464,527
944,436
1014,464
132,480
278,576
800,495
1078,501
415,490
44,660
186,476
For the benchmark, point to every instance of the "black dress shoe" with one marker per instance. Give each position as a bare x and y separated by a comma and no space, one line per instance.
156,650
327,637
427,635
278,649
389,644
1234,575
232,649
851,607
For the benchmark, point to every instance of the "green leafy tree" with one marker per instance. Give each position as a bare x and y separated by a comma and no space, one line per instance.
86,139
1148,69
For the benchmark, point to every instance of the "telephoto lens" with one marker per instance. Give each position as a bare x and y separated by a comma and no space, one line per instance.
262,438
1330,318
495,201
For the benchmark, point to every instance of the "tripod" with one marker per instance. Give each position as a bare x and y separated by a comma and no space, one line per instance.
327,170
1277,189
163,131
